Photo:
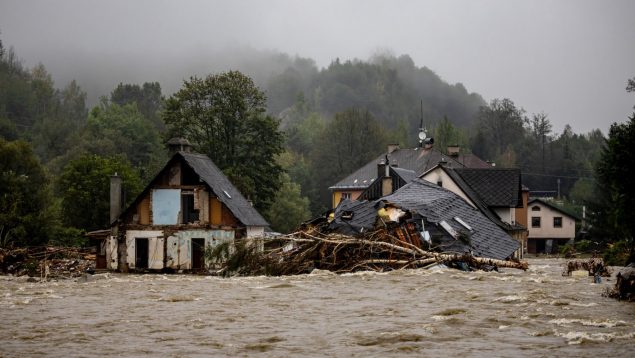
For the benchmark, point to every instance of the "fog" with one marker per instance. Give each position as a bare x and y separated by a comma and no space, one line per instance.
570,59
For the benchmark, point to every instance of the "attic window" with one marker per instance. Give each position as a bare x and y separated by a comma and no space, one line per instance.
460,221
535,208
226,193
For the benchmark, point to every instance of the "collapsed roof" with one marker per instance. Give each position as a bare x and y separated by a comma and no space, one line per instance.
459,227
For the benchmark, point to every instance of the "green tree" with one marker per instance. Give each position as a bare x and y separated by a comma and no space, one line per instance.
25,198
85,190
289,207
541,128
147,97
113,129
347,143
501,126
224,117
612,214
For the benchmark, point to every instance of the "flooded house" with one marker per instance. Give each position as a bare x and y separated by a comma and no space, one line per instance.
496,192
427,216
550,227
188,207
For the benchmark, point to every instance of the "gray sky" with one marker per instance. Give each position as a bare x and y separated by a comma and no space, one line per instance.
570,59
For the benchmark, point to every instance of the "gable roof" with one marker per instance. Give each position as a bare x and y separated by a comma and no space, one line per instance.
476,197
217,182
226,192
437,204
497,187
418,160
554,207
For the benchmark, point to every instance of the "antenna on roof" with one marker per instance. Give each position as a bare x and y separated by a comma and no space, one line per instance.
422,130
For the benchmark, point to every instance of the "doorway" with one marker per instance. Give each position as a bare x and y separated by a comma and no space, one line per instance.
141,253
198,254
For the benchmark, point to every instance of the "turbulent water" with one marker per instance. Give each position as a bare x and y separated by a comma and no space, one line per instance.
414,312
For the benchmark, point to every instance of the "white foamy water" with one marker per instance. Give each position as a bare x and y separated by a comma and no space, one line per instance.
416,312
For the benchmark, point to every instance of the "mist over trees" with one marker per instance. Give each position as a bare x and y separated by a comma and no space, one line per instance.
286,132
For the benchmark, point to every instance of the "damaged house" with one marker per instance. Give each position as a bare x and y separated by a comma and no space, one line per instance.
188,207
430,217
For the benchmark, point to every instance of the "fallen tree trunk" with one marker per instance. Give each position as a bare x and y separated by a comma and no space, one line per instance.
303,251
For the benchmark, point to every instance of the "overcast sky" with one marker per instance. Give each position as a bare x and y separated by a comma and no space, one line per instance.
570,59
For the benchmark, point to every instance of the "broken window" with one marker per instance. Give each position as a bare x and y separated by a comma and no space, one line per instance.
557,221
535,221
190,214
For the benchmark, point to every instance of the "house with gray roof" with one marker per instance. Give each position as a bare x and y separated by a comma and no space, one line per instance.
495,192
188,207
417,160
443,219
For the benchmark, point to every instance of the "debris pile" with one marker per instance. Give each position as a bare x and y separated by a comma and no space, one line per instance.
625,285
380,250
594,266
47,262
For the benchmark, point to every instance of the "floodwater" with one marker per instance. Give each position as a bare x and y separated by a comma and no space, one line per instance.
413,312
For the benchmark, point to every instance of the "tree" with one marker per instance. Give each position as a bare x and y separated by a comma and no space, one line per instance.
500,125
85,190
25,198
541,128
347,143
147,97
289,207
612,213
114,129
224,117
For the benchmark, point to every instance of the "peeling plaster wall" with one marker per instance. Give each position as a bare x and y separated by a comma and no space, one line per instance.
255,231
155,247
179,250
112,262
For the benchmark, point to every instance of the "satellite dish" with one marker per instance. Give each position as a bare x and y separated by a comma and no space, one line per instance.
422,135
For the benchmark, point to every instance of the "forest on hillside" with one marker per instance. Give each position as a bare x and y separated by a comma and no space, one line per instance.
331,121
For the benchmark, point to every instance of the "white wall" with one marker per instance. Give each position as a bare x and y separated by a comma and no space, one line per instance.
437,174
546,230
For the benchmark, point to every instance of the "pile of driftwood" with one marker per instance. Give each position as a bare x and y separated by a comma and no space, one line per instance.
46,262
309,249
594,266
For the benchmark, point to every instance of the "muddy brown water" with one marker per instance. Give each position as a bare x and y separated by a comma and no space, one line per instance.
413,312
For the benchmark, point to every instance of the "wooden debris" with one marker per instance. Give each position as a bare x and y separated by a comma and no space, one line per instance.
594,266
306,250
